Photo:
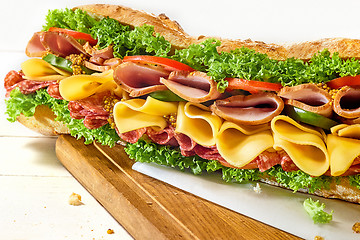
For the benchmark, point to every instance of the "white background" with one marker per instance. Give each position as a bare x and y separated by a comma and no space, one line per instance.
278,21
28,160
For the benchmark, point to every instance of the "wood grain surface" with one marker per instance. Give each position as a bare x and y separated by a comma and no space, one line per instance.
148,208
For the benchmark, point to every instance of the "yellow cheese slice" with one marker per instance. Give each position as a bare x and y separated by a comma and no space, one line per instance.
239,145
304,145
342,152
250,129
198,122
40,70
82,86
334,130
349,131
138,113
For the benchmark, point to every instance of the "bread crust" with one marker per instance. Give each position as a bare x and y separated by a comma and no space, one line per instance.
274,51
173,32
44,120
346,47
170,30
339,190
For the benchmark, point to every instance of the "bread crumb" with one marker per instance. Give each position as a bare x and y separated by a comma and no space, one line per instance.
75,200
257,188
110,231
318,238
356,227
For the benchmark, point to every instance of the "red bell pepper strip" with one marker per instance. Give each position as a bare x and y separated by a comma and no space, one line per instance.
169,64
77,35
344,81
251,85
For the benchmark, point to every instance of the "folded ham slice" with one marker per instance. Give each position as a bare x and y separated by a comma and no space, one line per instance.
349,121
101,60
308,97
194,86
57,43
35,48
95,67
101,65
140,79
251,110
112,62
347,102
105,53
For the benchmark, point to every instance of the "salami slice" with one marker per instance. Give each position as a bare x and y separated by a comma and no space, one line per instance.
91,109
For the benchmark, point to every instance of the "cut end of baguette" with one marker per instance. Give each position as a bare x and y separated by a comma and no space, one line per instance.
44,122
338,190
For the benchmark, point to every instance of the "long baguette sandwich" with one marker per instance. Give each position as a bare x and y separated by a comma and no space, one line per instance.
284,115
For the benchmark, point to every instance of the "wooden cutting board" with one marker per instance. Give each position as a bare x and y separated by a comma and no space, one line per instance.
148,208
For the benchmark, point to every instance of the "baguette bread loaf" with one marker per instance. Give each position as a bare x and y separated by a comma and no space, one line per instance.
44,120
172,31
346,47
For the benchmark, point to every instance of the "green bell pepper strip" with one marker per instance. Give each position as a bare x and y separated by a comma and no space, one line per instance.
166,96
310,118
64,64
59,62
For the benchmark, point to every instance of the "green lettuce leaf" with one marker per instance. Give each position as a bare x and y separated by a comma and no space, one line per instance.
316,211
19,103
126,41
247,64
77,20
324,67
240,175
296,180
105,135
144,151
355,181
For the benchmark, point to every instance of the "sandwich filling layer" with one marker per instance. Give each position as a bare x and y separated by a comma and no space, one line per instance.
239,111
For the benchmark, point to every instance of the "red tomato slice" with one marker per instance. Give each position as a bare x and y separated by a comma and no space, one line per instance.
344,81
169,64
75,34
251,85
